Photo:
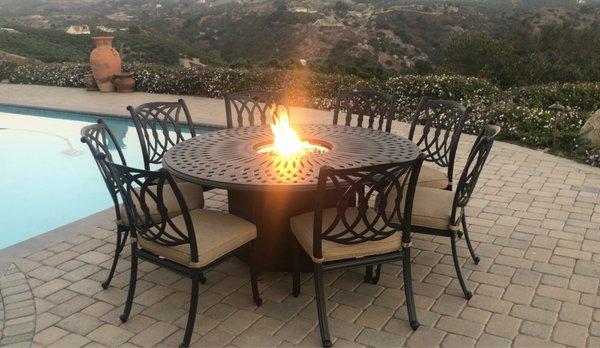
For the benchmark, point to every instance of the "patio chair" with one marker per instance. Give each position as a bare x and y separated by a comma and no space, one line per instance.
100,139
159,127
354,234
189,243
251,108
442,212
378,108
441,124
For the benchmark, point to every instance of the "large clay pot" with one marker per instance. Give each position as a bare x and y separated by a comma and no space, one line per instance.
124,82
105,63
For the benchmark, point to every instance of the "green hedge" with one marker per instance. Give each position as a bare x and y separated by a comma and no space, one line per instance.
522,112
53,74
583,96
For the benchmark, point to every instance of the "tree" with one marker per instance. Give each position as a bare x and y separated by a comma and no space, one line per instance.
134,29
476,53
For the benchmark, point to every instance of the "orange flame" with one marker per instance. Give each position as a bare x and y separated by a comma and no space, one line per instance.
286,141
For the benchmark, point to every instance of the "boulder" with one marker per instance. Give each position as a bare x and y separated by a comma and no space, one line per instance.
591,128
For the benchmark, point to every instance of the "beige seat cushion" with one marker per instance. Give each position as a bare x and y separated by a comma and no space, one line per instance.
432,177
217,233
302,227
192,194
431,208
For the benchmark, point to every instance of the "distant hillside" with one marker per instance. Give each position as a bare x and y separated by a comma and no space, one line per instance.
362,37
51,45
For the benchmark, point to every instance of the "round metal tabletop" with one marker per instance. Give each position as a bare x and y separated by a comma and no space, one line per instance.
228,159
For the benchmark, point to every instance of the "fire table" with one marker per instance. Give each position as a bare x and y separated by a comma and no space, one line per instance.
266,188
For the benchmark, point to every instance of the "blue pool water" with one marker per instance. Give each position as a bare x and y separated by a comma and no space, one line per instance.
47,176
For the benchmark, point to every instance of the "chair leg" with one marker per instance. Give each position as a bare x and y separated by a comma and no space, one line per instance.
121,239
375,278
321,310
408,289
466,232
132,283
368,274
254,273
369,277
296,268
201,278
467,293
189,329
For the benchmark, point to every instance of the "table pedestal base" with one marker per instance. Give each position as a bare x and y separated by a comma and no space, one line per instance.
271,211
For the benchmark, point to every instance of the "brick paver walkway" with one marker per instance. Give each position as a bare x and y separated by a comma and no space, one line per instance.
534,221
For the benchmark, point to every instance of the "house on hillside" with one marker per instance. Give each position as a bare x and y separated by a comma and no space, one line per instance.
327,22
78,30
303,10
105,29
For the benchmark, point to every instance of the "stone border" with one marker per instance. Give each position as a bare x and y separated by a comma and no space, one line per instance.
18,308
96,113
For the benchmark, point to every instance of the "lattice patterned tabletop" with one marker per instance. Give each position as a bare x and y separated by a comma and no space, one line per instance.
228,158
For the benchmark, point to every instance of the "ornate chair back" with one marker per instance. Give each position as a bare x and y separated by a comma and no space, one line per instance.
159,127
142,194
358,218
99,138
475,162
442,122
376,107
251,108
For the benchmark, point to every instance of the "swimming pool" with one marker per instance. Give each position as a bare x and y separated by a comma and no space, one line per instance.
48,177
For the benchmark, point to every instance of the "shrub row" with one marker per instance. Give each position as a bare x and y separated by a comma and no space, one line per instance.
582,96
522,112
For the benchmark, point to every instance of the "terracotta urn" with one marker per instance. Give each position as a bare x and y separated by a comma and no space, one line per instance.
89,82
105,63
124,82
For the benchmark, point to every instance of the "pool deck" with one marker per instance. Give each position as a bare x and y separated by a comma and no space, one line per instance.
534,220
204,111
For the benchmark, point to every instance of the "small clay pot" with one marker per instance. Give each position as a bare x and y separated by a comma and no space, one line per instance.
124,82
90,83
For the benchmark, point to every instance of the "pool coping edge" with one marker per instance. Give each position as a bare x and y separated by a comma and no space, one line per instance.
96,113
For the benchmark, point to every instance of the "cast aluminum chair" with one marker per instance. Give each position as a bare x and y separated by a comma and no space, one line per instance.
251,108
100,139
442,212
370,109
441,123
353,233
189,243
159,127
436,128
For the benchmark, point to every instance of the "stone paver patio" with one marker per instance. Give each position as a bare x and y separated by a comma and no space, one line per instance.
534,219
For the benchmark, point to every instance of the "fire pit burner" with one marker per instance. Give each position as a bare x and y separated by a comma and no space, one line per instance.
312,147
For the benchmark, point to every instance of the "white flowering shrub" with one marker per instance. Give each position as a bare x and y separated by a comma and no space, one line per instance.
583,96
